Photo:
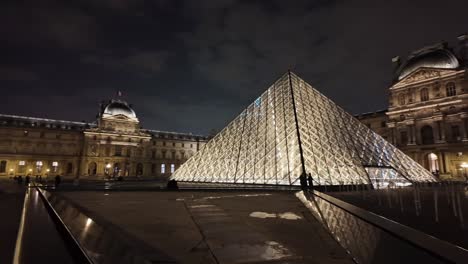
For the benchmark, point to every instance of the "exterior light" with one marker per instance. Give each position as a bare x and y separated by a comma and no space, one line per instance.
464,165
108,165
48,170
30,170
11,170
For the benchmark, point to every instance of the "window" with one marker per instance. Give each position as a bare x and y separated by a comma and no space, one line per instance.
39,166
172,168
382,124
139,169
3,164
69,168
427,135
164,143
54,166
118,151
153,168
191,145
424,94
163,154
401,99
404,138
173,144
163,168
455,133
450,89
153,154
26,133
21,166
183,145
173,155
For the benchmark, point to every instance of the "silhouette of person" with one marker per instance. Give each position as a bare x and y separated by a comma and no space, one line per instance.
309,180
26,182
57,180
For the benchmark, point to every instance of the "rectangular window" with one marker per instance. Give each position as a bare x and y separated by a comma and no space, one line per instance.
153,154
39,166
455,133
153,168
22,163
172,168
3,164
54,166
118,151
163,168
404,138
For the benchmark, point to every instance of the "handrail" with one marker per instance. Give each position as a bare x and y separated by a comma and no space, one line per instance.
79,251
434,246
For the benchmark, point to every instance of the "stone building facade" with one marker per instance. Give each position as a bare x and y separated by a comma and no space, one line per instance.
113,146
427,116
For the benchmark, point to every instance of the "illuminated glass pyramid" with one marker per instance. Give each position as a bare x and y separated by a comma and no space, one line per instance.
291,129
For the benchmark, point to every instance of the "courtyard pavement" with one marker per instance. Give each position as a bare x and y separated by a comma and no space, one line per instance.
216,226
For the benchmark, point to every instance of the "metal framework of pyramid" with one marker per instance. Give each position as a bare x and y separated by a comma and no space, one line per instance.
292,129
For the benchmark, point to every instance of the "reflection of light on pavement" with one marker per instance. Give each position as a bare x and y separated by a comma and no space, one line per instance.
106,194
202,206
274,250
233,196
287,215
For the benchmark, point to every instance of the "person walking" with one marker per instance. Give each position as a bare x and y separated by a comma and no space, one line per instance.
26,181
310,181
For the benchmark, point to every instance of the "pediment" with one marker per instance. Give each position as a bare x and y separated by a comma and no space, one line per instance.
424,74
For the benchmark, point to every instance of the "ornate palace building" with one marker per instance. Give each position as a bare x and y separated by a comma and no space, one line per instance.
113,146
427,116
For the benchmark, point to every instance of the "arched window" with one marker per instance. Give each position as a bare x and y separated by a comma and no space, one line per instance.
3,164
450,89
163,168
172,168
427,135
92,169
401,99
139,169
424,94
69,168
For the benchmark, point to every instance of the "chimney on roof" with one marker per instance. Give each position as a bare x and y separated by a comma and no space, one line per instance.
463,49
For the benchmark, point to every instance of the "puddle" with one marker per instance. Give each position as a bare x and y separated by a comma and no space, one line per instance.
287,215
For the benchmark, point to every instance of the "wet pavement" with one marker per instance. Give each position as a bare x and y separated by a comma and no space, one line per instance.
217,226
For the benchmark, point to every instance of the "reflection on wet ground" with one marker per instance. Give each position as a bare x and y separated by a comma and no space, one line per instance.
440,211
216,227
287,215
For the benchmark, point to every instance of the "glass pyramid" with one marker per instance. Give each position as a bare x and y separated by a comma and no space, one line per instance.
292,129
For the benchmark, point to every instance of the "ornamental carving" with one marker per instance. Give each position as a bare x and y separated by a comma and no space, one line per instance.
421,75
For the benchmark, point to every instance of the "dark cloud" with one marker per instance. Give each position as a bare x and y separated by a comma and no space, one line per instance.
193,65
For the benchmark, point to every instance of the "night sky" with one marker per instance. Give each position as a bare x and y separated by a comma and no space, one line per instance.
192,66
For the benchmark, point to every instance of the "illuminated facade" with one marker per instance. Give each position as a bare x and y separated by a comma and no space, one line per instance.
113,146
293,129
427,116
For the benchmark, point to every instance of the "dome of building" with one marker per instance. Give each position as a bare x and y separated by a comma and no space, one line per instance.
440,58
119,108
